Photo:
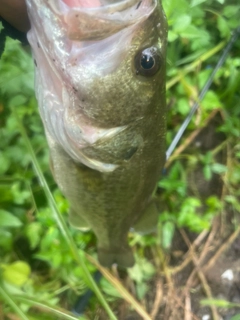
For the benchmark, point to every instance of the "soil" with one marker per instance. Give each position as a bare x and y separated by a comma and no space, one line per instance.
198,266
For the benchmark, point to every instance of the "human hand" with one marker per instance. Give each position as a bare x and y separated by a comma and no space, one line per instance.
15,13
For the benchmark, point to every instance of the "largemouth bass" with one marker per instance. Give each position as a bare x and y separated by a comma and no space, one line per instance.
100,85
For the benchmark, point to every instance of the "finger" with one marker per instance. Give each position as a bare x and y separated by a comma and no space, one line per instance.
15,12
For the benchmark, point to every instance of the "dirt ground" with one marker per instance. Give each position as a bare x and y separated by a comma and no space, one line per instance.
209,269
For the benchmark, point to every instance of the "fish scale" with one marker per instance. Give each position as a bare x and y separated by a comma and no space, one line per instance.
100,85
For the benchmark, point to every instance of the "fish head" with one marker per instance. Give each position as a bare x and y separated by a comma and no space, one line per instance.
101,67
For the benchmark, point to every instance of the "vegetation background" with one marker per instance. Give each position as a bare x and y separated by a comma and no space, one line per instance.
43,268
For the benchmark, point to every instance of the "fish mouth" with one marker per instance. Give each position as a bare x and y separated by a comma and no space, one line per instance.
109,6
98,19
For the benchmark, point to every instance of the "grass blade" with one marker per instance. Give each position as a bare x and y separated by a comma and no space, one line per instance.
43,306
182,73
8,299
219,303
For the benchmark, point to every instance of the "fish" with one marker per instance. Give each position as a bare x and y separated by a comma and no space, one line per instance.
100,85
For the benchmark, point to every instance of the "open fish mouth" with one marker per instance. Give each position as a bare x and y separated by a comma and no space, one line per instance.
77,42
109,5
98,19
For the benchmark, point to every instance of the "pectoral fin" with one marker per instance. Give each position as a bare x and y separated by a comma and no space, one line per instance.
77,221
148,221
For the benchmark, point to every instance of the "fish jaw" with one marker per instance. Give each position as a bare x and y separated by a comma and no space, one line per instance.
82,3
105,123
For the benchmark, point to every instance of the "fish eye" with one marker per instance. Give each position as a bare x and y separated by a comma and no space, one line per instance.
148,62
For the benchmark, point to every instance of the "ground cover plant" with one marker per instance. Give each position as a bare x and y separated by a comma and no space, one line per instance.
189,269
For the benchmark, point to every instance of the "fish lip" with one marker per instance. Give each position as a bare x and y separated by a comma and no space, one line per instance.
118,5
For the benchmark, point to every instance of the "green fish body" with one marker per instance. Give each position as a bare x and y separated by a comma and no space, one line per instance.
100,84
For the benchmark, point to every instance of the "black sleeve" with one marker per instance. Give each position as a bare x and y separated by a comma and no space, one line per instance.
9,31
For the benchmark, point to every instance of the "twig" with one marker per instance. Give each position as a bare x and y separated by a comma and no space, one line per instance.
179,268
225,179
179,303
222,249
201,276
188,258
208,292
203,254
200,238
170,293
158,299
173,299
12,316
187,309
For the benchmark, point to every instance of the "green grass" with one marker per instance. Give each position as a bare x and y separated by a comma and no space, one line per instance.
40,256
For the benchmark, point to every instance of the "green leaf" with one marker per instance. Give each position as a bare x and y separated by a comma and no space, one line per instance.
7,219
141,289
196,2
172,36
193,32
174,8
230,10
207,172
211,101
33,232
9,300
17,273
167,234
219,168
141,271
61,314
219,303
181,23
5,239
183,106
136,273
223,26
4,163
109,289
